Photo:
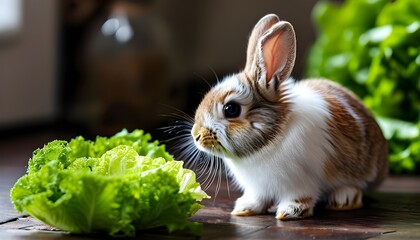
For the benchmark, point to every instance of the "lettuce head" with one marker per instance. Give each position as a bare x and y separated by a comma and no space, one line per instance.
115,185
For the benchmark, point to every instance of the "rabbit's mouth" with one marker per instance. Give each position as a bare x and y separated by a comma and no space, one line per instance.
210,144
214,149
207,141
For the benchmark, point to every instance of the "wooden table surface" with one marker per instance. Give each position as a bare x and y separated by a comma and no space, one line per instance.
393,212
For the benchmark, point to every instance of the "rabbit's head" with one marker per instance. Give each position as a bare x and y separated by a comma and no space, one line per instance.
245,111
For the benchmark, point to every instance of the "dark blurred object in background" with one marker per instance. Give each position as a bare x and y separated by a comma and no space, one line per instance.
129,73
76,18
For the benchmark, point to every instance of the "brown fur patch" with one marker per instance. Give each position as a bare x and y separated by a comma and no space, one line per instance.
361,149
239,125
220,98
305,200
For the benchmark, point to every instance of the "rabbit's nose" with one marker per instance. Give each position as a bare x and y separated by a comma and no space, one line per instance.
198,137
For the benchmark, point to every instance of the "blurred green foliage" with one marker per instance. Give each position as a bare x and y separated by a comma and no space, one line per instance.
373,48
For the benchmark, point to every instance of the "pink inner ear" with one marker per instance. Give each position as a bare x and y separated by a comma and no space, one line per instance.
274,57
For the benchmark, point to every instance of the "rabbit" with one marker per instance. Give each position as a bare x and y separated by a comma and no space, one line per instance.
289,144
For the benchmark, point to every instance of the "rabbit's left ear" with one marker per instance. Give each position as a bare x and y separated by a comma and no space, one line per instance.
262,26
275,55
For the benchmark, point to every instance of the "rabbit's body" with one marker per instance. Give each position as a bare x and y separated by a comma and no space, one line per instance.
289,143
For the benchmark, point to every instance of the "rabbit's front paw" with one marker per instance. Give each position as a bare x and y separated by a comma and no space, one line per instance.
295,209
248,206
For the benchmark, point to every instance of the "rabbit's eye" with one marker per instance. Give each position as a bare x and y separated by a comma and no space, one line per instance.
232,110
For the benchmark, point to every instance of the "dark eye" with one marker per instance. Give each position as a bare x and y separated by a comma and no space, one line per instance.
232,110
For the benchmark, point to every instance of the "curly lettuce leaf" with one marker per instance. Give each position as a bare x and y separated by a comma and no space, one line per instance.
114,186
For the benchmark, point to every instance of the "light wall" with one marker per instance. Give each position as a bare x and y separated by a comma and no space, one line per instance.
28,66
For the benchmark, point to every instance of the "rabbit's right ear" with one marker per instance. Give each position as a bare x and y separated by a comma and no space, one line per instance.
260,28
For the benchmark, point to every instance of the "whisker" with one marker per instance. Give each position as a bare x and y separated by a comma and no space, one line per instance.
207,179
177,113
227,180
210,170
203,78
192,161
215,74
219,181
215,172
179,124
226,170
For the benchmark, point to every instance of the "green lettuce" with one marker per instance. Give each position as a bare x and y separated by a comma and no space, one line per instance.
114,185
372,47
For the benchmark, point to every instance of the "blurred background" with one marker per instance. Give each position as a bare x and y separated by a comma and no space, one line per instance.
97,66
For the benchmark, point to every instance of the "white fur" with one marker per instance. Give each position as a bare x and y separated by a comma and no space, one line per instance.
229,82
291,167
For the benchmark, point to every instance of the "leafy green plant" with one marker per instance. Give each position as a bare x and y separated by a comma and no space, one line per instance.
114,185
372,47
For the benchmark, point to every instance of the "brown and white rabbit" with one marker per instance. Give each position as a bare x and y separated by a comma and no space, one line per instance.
287,143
